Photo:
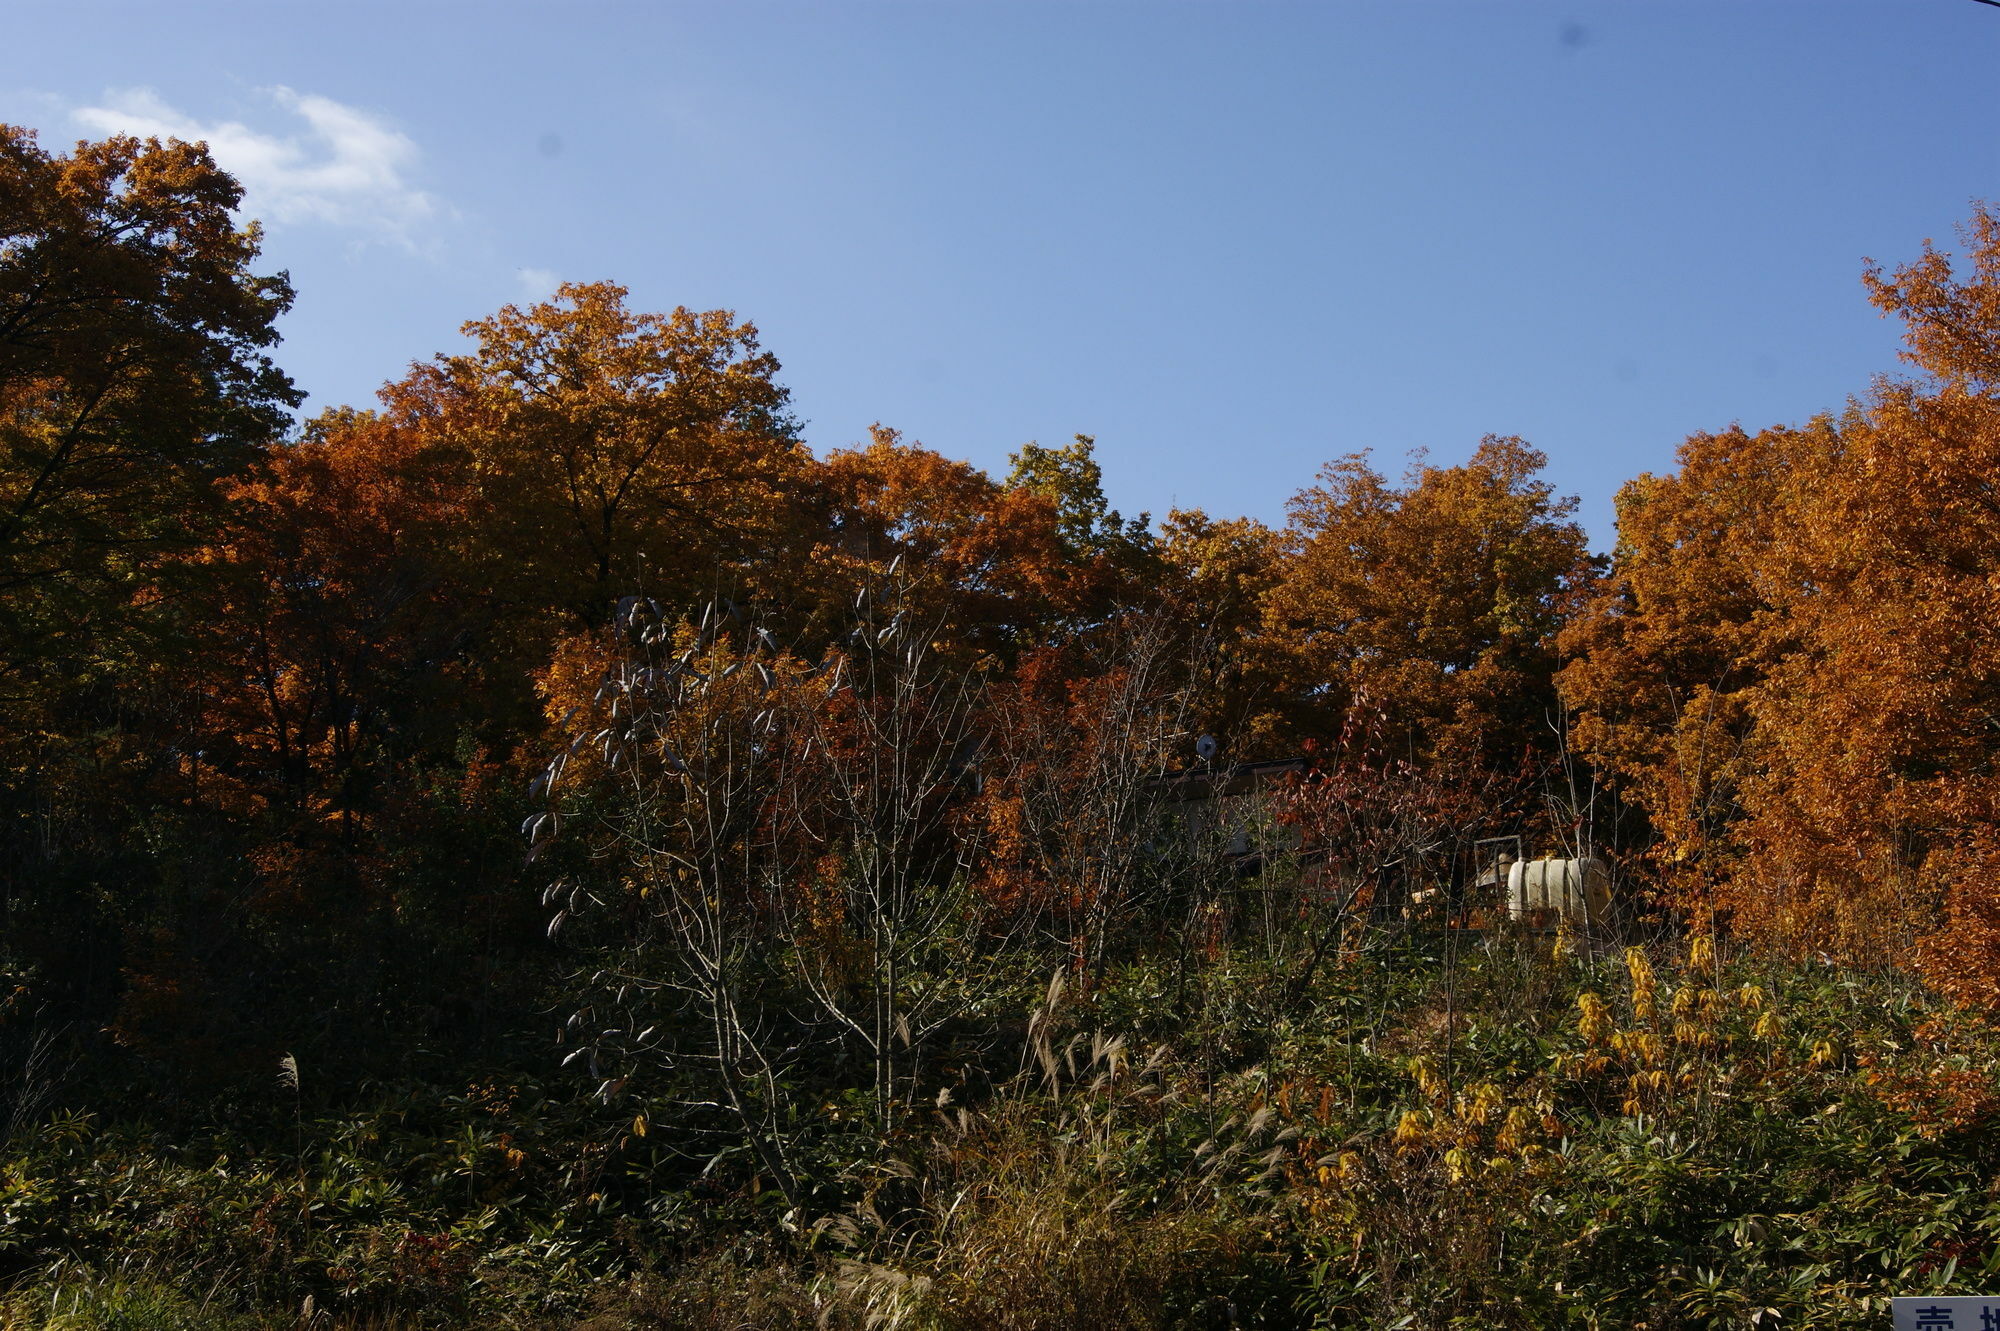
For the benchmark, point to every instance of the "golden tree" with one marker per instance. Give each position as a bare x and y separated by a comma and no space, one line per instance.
1665,656
613,451
132,375
1215,576
1439,600
1792,669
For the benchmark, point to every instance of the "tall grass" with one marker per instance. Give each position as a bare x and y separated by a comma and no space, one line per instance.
1507,1131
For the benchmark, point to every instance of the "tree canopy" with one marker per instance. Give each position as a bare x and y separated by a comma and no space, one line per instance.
133,374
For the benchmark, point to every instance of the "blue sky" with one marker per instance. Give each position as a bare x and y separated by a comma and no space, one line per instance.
1231,241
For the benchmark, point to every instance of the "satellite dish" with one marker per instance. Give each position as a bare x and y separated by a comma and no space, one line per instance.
1205,747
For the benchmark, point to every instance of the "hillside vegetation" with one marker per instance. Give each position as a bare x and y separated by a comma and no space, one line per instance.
552,850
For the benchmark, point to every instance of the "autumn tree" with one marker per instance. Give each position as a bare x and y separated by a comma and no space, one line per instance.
338,755
1876,822
133,375
1669,654
1439,600
1791,666
611,451
983,565
1216,574
1072,479
335,619
1107,561
1083,739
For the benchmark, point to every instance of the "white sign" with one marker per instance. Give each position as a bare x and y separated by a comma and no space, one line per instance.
1978,1313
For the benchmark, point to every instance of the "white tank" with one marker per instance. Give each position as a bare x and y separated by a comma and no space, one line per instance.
1574,890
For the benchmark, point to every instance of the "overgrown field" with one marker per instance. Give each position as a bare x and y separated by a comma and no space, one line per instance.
1447,1131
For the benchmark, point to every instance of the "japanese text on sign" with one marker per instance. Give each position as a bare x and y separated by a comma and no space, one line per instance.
1978,1313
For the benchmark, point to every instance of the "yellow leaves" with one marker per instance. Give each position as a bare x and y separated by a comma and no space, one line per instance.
1645,989
1521,1128
1720,1043
1343,1167
1641,1047
1487,1131
1480,1104
639,1126
1413,1129
1594,1022
1701,952
1646,1089
1693,1036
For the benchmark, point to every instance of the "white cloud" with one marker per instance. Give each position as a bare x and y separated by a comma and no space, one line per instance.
347,168
537,283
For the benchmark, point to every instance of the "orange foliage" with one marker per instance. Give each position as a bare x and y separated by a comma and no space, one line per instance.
132,372
1079,743
1215,576
1665,653
611,451
331,620
977,557
1439,600
1794,670
991,569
